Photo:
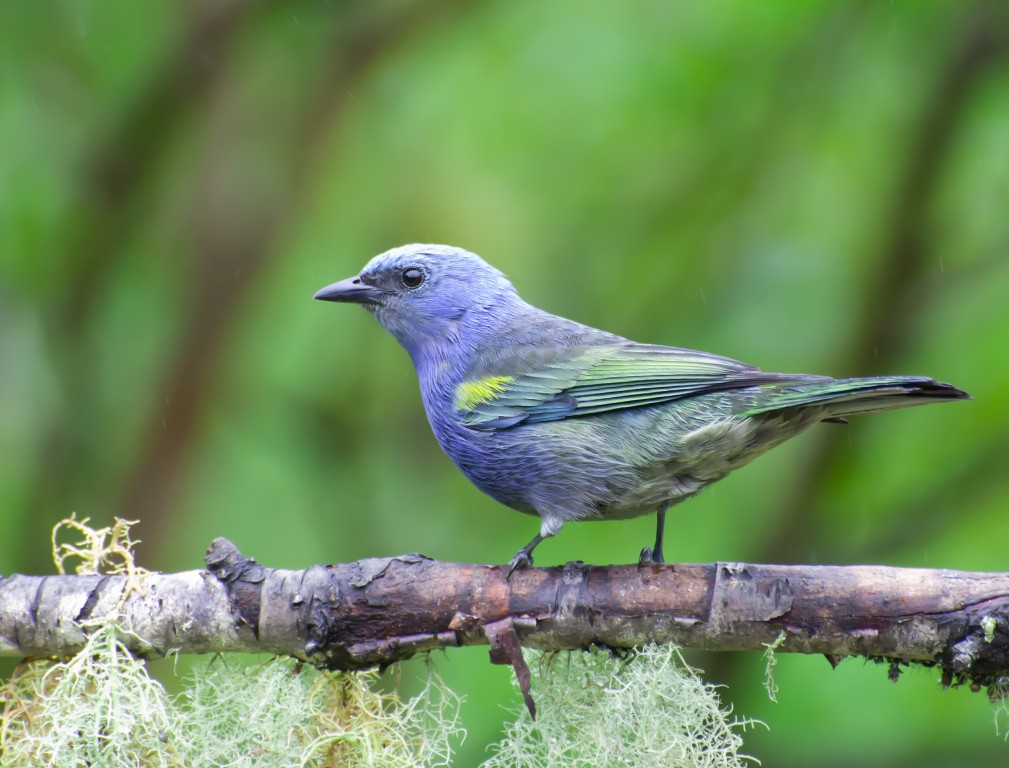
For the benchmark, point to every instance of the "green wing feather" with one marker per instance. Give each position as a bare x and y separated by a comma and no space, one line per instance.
582,381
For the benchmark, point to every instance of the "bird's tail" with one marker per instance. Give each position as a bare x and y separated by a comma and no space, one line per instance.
840,398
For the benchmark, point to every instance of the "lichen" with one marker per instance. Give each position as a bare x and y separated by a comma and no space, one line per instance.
988,624
770,662
647,711
102,708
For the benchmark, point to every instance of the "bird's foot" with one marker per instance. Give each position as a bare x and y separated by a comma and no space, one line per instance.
521,561
650,557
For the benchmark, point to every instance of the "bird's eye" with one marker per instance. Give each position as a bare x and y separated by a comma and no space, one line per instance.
412,277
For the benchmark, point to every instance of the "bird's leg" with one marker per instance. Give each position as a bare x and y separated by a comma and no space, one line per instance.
654,555
524,557
660,529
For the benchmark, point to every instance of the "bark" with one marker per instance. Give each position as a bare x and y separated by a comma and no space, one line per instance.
377,611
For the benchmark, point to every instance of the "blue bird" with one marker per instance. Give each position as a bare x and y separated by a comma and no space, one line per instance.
557,419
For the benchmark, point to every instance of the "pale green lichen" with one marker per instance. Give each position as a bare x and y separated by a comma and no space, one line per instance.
998,694
98,708
101,708
284,714
770,662
988,625
98,550
649,711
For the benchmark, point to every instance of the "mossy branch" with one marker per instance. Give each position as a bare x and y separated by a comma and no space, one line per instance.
377,611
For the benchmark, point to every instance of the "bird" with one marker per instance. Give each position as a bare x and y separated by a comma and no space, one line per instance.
567,422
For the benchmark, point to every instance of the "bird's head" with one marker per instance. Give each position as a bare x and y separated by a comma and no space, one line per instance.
420,293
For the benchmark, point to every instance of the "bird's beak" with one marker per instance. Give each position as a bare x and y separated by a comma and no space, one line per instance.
352,290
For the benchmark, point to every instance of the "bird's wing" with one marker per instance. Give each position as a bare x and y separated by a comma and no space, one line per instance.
529,385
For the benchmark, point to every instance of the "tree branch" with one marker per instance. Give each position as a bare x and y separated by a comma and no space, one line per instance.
377,611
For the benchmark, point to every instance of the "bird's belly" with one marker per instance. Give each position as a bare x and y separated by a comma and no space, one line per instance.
504,469
701,456
647,496
606,467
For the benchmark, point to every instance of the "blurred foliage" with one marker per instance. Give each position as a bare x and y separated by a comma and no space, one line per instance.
806,186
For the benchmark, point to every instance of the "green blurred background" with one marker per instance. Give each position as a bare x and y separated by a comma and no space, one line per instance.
818,187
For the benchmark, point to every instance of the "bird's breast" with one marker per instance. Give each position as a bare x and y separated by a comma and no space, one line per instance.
487,458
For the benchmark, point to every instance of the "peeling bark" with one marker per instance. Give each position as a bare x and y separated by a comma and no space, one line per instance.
380,610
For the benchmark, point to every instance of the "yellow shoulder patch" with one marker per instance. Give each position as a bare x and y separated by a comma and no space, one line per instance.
470,394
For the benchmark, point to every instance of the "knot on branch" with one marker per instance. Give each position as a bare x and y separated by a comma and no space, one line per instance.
242,576
981,654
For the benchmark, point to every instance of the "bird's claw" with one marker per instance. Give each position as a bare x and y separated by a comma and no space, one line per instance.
521,561
648,557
